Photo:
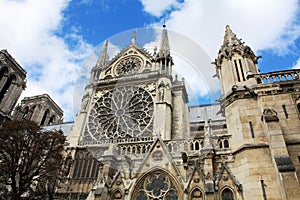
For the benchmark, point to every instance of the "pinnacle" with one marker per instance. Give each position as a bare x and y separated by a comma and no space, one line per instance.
102,61
164,46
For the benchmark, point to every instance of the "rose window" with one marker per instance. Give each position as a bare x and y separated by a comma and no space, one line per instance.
123,112
129,65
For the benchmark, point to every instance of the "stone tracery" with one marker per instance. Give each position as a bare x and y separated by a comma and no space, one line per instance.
122,112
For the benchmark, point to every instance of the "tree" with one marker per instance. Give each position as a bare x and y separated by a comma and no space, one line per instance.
30,157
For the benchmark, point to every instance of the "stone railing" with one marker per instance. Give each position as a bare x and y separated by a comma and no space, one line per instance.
128,77
115,141
276,77
172,146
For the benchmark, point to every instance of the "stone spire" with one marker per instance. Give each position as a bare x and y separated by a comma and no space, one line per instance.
164,46
103,58
230,38
101,64
231,45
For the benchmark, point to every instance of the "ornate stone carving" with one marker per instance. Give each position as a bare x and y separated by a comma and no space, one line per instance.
128,65
157,156
157,186
270,115
120,113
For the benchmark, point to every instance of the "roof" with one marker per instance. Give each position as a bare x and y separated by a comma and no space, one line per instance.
197,113
64,127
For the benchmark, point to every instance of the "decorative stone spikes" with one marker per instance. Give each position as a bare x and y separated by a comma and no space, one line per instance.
164,45
233,45
230,38
103,58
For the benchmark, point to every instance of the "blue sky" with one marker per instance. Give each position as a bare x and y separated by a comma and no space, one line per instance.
52,38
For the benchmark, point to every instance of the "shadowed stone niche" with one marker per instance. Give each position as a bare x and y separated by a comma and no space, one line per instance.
270,115
284,163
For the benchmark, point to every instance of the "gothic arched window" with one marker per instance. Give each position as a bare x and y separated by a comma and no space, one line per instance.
226,143
156,186
197,146
3,72
45,117
227,194
6,86
116,195
51,120
25,113
196,194
220,144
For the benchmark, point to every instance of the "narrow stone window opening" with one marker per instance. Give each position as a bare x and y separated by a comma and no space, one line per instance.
237,71
226,144
220,144
285,112
25,114
6,87
251,129
197,146
51,120
242,71
192,146
44,117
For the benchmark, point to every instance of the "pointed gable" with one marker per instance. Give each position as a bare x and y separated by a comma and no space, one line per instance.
226,178
195,179
131,60
158,157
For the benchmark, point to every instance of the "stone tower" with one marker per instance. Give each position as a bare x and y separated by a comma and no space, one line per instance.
12,83
262,117
40,109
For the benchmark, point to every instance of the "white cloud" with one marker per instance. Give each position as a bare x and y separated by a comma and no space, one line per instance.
29,36
264,24
297,64
192,63
159,7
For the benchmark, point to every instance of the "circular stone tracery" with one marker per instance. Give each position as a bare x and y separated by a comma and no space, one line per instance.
129,65
122,112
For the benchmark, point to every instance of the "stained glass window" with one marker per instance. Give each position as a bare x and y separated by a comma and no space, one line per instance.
157,186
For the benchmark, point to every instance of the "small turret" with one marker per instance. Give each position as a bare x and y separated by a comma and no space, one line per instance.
235,63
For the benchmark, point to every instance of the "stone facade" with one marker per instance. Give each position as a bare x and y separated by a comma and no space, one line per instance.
136,138
40,109
12,83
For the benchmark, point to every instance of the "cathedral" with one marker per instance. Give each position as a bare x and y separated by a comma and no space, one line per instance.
136,138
